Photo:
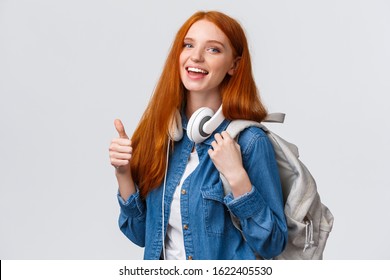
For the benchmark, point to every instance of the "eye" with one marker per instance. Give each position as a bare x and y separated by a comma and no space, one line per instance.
187,45
213,50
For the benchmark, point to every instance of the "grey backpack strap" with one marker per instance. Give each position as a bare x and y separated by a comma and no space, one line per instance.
275,118
236,126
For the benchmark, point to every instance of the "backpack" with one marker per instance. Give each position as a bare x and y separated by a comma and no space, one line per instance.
309,221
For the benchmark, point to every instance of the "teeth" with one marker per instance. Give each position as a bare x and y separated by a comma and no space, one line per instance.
197,70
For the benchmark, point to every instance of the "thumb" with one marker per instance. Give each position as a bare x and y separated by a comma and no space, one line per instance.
121,129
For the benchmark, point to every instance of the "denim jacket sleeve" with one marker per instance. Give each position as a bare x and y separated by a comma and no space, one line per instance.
260,211
132,218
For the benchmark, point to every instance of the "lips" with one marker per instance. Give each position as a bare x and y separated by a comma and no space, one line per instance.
196,70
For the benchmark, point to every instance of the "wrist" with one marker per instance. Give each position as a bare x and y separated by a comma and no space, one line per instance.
239,182
123,171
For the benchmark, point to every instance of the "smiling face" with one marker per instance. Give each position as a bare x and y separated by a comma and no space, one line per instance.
206,58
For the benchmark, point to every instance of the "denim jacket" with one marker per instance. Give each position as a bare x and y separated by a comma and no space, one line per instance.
207,227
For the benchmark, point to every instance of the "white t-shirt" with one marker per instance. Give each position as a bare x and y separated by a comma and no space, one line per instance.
174,242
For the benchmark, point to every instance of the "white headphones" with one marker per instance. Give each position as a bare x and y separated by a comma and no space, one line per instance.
200,126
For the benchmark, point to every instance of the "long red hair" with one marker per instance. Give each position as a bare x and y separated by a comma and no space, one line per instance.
240,99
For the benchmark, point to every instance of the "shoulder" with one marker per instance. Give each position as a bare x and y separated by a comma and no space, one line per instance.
250,134
253,137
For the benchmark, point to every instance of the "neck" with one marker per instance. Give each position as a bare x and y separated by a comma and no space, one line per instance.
196,100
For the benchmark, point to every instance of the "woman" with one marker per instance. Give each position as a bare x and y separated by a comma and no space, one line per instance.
208,66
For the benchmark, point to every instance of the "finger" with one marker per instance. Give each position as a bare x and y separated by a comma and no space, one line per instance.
119,162
120,148
214,145
121,141
211,153
226,135
228,140
115,155
121,129
218,138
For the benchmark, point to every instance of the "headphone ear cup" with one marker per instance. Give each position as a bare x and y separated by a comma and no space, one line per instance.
195,125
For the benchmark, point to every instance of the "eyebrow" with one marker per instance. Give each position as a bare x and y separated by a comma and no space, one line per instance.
208,41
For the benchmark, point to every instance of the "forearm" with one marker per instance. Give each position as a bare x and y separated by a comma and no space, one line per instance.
125,183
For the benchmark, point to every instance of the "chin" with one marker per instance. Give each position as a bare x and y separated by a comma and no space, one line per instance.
191,88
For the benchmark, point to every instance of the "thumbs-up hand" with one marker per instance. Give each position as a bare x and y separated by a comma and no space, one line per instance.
120,149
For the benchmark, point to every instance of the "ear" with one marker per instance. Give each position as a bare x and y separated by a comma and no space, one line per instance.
234,65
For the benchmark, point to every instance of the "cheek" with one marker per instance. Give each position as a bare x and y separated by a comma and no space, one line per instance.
228,66
223,65
182,58
223,69
181,63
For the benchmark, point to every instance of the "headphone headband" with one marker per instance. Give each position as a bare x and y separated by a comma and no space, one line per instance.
200,126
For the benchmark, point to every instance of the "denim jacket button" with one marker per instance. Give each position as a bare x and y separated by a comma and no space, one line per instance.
190,257
185,227
183,191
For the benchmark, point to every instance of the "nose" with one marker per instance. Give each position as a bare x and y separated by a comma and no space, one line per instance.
197,55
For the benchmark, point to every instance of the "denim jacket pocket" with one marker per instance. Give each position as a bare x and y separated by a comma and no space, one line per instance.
216,215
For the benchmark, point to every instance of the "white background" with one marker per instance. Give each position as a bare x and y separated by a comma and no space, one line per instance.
69,68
